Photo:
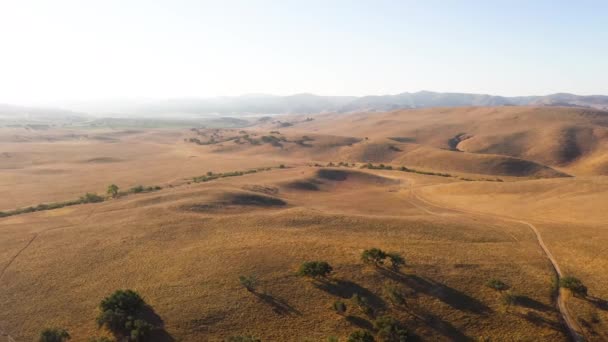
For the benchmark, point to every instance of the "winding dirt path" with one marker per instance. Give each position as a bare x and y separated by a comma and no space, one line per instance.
571,324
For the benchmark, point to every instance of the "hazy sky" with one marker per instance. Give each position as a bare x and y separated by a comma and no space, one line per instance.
57,50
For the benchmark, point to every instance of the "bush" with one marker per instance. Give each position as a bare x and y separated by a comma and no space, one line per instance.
373,255
340,307
91,198
378,256
394,295
396,260
497,285
54,335
281,166
315,269
574,285
361,336
390,330
137,189
362,303
249,282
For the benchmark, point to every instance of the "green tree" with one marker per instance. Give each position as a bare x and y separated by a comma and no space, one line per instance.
361,336
120,314
54,335
315,269
112,190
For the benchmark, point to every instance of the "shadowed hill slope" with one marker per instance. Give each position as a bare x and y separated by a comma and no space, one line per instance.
571,139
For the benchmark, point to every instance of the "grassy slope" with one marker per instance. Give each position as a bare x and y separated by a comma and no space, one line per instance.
187,263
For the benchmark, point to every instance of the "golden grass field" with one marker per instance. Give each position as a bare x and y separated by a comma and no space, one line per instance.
184,247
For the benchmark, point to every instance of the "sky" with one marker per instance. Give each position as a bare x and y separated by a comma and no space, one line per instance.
81,50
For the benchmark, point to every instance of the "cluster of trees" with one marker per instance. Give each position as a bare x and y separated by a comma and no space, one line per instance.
122,313
404,169
114,191
86,198
387,329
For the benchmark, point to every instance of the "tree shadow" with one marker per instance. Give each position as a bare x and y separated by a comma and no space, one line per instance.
360,322
599,303
445,328
454,298
346,289
530,303
539,320
278,305
158,333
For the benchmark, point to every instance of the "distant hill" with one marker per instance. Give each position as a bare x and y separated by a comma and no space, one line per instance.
310,103
261,104
570,139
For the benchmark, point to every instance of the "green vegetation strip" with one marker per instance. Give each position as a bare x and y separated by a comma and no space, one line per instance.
87,198
428,173
113,192
212,176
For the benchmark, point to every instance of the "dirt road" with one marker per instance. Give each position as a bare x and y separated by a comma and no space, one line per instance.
570,322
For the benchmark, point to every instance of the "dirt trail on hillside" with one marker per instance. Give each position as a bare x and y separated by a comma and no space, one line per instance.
572,325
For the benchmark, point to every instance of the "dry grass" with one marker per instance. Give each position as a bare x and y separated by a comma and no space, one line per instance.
184,247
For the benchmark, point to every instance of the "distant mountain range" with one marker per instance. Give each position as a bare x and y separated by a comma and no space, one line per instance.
310,104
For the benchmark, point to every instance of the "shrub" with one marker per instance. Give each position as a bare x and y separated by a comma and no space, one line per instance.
315,269
361,336
54,335
91,198
281,166
112,190
497,285
137,189
396,260
574,285
362,303
394,295
340,307
390,330
249,282
373,255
